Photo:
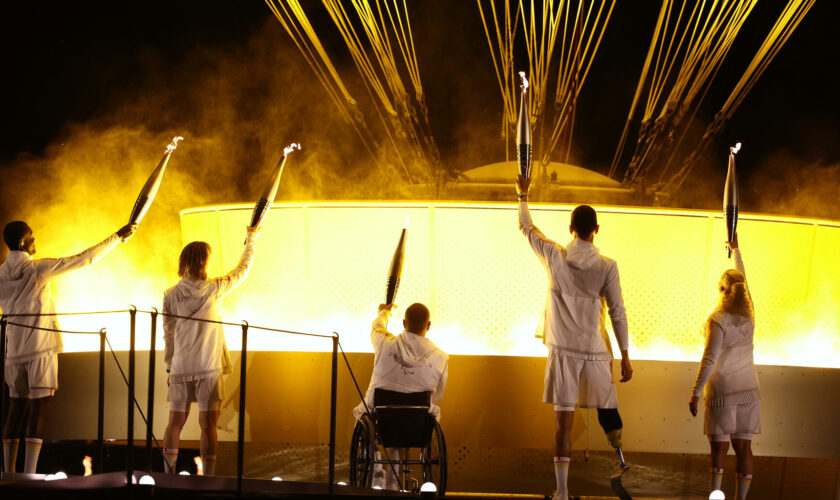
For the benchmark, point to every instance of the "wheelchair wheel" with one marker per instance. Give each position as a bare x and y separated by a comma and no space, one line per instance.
362,453
434,460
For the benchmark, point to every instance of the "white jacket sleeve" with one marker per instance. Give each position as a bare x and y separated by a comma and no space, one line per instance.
379,330
714,344
615,304
225,284
168,334
542,246
437,395
50,268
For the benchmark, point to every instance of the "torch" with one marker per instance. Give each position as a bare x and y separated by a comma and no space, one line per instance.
730,199
523,131
270,191
395,272
150,189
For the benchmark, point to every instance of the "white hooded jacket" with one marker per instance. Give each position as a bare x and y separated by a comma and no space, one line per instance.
582,283
197,349
405,363
727,371
25,288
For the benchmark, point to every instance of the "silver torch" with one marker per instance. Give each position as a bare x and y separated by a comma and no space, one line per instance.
523,131
150,189
730,199
395,272
270,191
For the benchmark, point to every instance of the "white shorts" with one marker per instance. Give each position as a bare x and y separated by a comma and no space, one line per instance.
569,380
739,421
208,392
34,379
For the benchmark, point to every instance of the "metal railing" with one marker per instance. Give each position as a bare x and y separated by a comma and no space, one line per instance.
149,418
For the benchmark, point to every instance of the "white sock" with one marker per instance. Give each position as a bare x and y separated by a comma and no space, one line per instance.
170,458
715,478
10,450
561,473
742,486
209,464
33,449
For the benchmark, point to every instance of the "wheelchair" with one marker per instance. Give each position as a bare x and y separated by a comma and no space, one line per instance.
400,421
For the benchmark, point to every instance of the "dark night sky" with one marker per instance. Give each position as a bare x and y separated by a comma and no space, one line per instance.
73,61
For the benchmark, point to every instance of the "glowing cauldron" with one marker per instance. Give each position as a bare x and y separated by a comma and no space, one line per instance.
322,267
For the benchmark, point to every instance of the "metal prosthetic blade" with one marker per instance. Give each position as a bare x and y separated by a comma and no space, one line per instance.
615,479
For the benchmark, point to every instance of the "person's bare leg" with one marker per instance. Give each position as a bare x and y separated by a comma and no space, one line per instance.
743,450
207,420
34,432
172,438
563,451
718,452
12,431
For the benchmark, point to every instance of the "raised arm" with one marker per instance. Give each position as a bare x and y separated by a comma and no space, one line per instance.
739,262
379,329
541,245
714,343
226,283
50,268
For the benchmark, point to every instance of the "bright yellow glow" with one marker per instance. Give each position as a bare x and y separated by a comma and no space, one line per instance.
322,267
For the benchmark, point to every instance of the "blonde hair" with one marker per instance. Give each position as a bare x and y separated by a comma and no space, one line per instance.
734,297
193,260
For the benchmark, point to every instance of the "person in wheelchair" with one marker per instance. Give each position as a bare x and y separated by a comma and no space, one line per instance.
406,363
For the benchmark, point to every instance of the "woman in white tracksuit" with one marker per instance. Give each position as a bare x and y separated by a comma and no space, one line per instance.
196,352
731,396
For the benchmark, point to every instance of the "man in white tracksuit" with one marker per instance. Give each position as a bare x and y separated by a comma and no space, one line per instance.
582,284
408,362
196,354
32,356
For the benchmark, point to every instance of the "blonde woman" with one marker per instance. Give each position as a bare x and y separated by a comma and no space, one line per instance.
196,352
731,396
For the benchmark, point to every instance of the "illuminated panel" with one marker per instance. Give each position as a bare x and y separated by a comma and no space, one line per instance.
322,267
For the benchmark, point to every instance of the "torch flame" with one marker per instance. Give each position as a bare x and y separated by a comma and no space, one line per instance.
87,463
407,220
173,144
199,466
524,85
736,148
291,147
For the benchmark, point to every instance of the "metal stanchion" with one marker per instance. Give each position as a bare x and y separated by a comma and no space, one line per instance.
333,393
100,410
129,448
150,404
3,415
240,440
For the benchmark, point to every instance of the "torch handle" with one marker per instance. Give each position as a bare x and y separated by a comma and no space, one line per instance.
523,153
391,290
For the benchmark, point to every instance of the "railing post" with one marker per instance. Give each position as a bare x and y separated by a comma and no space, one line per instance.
240,440
129,449
100,409
150,404
3,415
333,393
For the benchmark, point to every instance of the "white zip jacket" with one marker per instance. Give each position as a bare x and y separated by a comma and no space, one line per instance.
405,363
197,349
582,284
727,371
25,289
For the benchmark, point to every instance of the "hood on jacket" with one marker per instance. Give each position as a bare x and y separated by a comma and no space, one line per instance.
413,349
581,254
12,268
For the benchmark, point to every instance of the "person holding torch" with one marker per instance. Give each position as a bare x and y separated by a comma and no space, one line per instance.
32,360
727,373
196,352
582,284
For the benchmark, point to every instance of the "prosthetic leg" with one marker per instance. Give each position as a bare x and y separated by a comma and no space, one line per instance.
610,421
